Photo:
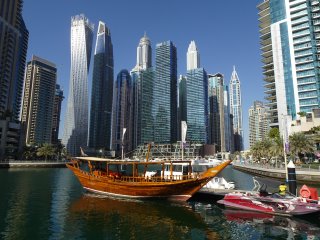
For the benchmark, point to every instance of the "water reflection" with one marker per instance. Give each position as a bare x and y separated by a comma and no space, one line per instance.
275,226
101,217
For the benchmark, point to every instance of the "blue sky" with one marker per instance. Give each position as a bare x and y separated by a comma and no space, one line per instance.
226,34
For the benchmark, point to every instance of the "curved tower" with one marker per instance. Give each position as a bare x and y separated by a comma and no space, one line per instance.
76,120
122,112
102,91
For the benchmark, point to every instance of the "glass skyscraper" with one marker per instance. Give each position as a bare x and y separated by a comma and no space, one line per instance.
122,113
13,50
236,110
143,80
102,91
165,94
197,105
196,98
76,120
290,42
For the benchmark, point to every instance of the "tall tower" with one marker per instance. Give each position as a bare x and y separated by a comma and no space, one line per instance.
58,98
143,79
122,113
236,110
217,123
38,101
289,44
144,54
76,120
196,98
258,122
13,50
193,57
165,94
102,91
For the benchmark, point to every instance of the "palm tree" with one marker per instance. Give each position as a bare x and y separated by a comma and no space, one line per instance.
300,145
46,150
276,148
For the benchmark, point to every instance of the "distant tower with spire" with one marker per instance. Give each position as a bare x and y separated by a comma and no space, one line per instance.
236,110
193,57
144,53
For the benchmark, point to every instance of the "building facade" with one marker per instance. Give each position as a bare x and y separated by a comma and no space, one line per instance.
142,76
58,98
13,50
196,98
122,113
258,122
220,119
38,101
197,105
76,120
236,110
165,94
182,103
143,123
289,33
100,135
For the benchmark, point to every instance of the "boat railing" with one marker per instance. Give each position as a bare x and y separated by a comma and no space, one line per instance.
142,178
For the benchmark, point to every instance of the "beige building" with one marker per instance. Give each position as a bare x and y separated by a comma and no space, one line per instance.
305,123
38,101
258,122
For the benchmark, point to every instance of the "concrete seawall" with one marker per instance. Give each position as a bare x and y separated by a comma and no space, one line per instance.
31,164
303,176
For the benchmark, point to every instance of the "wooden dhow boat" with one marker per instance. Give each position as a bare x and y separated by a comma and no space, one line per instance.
105,176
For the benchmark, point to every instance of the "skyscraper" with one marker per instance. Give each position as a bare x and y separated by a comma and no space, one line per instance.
196,98
258,122
236,110
58,98
122,113
182,103
38,101
102,91
144,54
220,132
143,79
13,50
289,34
165,93
76,120
143,130
193,57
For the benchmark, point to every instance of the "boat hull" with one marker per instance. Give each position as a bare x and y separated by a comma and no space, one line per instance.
269,205
175,190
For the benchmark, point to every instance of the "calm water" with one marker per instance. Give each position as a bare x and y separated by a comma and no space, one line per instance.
50,204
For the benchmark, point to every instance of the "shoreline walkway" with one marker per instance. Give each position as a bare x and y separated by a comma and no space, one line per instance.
33,164
303,175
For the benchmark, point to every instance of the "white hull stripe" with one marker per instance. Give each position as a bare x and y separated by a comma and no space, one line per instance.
130,196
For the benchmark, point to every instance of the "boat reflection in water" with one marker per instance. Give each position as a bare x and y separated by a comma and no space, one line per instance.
104,217
275,226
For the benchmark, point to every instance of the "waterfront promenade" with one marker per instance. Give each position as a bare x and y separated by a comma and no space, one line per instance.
32,164
303,175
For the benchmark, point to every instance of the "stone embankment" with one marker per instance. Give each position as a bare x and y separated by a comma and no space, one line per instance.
303,175
33,164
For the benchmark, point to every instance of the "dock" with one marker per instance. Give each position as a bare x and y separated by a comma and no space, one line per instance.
303,175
